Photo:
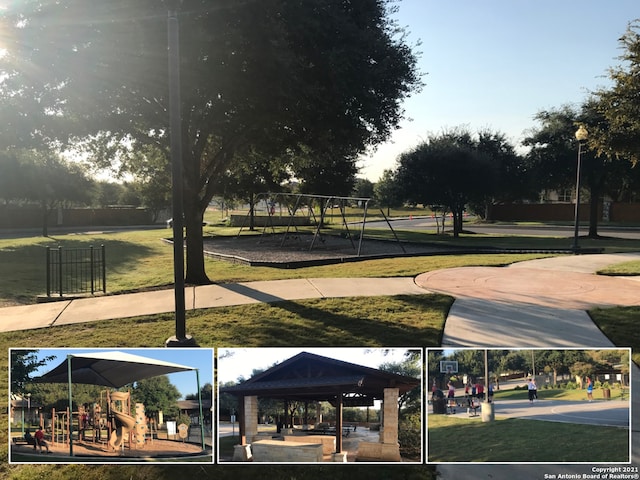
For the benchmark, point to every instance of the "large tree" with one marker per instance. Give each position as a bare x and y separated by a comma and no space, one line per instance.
324,78
41,177
620,103
447,169
553,155
157,394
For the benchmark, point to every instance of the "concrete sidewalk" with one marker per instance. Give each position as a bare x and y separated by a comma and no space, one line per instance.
208,296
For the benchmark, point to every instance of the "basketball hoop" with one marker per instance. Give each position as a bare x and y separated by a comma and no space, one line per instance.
449,366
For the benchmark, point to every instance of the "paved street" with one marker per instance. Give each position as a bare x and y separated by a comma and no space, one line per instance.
428,223
614,413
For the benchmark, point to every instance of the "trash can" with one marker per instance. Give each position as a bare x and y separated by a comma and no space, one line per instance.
488,415
606,393
438,402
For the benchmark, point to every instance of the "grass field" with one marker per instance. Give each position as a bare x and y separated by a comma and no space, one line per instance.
460,439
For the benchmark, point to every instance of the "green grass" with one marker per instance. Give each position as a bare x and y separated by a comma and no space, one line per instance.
141,259
631,268
460,439
620,325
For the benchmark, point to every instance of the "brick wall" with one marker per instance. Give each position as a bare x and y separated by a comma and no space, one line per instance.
549,212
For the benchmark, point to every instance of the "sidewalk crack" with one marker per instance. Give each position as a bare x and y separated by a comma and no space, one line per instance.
60,314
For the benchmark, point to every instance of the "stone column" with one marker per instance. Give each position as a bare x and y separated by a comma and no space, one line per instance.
248,428
250,417
389,431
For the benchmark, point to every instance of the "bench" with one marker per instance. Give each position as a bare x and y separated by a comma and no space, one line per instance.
472,405
329,431
22,441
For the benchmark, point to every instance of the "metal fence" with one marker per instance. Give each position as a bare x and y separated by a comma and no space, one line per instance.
76,270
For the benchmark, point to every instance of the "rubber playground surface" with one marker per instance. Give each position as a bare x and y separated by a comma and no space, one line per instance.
161,449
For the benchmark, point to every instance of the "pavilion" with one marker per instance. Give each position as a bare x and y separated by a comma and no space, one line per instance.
312,378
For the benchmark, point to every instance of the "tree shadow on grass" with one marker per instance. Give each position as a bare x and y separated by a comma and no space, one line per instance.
24,267
402,321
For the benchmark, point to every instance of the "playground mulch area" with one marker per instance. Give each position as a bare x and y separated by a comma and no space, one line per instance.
301,249
152,449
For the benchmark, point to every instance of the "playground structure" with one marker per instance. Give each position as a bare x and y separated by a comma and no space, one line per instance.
125,423
109,422
297,212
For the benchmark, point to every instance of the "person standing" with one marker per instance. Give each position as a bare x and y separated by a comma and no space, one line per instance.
533,390
589,389
480,391
451,396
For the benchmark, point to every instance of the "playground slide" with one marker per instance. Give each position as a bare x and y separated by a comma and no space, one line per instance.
124,423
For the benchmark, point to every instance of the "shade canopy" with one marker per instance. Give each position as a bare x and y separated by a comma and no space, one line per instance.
307,376
111,369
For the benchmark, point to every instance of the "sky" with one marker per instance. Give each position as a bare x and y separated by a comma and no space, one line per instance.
496,63
185,382
234,363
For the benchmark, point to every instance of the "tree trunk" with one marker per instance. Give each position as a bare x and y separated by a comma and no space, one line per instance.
195,272
45,220
457,222
252,213
593,217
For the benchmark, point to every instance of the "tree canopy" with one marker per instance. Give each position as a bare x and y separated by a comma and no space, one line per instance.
454,169
157,394
316,82
621,102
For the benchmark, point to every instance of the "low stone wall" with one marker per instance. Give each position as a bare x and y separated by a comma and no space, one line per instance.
284,451
266,220
30,217
379,452
328,442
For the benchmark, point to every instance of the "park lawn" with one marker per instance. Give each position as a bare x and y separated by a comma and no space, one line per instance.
138,260
620,325
631,268
454,438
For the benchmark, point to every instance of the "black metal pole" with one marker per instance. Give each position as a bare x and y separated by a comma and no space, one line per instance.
175,130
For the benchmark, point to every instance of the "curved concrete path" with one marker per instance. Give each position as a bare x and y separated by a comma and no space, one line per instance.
539,303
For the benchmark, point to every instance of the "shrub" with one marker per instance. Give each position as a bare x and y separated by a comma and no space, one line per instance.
410,436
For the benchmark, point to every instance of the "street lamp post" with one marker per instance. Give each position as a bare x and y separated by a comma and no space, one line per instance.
29,408
181,339
581,135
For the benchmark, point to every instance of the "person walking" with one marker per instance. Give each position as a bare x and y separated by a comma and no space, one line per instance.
589,389
451,396
533,390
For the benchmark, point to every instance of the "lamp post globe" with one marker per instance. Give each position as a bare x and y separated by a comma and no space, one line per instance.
581,135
